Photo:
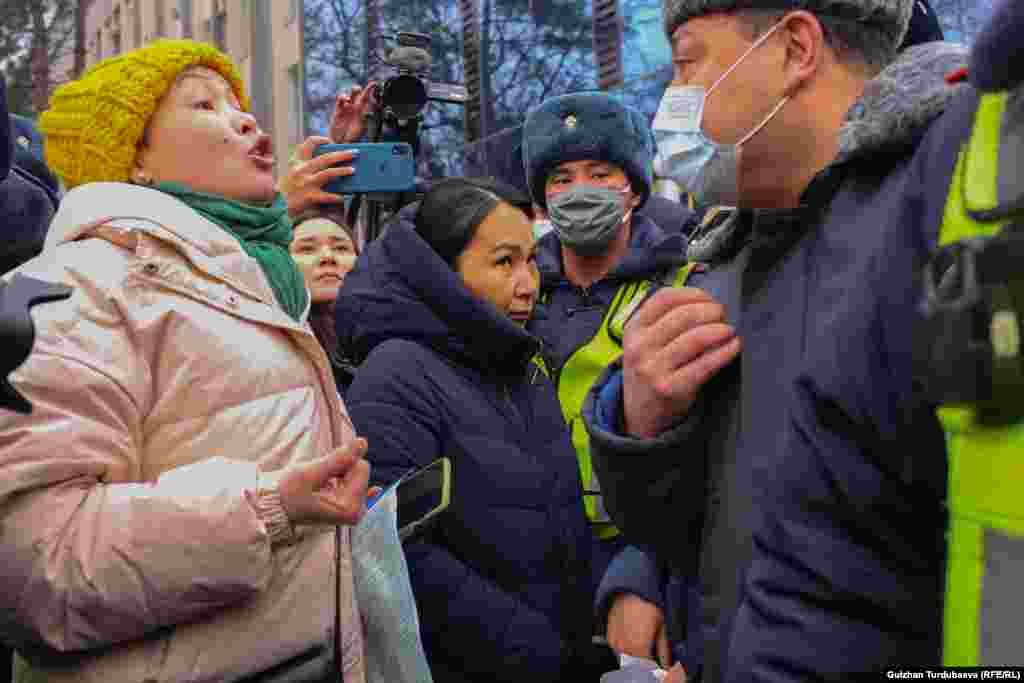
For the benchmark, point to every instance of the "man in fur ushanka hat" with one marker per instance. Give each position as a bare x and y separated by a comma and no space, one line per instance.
762,437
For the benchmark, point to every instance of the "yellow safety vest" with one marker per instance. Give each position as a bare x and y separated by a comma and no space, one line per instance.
985,565
578,375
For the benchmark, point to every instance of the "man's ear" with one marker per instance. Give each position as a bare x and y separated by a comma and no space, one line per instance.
805,49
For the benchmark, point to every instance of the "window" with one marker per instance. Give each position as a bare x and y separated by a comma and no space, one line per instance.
161,19
218,30
185,17
115,31
296,117
136,6
99,44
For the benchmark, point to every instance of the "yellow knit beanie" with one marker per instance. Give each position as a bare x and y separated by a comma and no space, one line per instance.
94,124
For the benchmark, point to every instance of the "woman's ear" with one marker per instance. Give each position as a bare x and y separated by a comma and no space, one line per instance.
141,176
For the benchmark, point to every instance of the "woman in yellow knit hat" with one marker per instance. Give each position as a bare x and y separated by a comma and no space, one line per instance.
168,509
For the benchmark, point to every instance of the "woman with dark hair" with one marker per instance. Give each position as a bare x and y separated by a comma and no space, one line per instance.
434,312
324,248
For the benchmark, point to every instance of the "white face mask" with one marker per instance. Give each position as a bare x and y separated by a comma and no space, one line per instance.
706,169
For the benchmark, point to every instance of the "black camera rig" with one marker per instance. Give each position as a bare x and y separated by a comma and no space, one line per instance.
403,91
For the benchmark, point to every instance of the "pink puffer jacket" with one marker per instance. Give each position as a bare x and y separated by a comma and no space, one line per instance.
129,550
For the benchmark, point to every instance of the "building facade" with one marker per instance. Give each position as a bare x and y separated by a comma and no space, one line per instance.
263,37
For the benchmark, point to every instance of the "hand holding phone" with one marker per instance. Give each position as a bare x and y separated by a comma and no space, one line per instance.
303,185
379,167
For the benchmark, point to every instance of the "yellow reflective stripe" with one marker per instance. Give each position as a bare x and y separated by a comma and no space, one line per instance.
962,607
578,374
538,360
985,472
985,464
981,168
582,369
976,176
683,274
634,299
618,323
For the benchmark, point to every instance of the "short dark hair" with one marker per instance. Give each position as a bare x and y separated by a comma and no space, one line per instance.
453,209
853,40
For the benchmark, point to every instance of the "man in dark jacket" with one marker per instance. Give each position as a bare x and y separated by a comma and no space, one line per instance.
588,164
806,437
637,573
29,196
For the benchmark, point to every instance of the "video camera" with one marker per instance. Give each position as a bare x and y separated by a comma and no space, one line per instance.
403,91
404,79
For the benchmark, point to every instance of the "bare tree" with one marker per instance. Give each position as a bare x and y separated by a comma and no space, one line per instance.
961,20
522,61
81,10
608,44
34,36
469,10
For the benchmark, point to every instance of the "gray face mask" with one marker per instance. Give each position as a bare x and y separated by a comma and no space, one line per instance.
587,217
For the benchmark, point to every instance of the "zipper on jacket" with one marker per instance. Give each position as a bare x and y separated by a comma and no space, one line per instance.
507,393
586,305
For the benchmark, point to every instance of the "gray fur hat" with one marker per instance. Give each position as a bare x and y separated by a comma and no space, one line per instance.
885,14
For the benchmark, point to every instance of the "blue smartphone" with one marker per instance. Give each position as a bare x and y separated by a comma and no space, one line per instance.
379,167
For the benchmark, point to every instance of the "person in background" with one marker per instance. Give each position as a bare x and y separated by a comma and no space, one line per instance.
435,314
28,154
177,505
29,195
588,162
325,250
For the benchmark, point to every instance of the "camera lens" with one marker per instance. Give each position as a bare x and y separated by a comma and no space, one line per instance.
405,95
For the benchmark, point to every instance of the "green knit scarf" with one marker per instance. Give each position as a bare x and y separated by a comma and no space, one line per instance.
264,233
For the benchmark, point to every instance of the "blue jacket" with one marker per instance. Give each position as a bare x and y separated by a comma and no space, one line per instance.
670,215
570,316
29,196
504,583
807,483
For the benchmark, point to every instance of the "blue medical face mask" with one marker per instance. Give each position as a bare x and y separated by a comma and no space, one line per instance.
706,169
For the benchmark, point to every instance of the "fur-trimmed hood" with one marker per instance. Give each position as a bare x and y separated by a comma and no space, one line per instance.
902,100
